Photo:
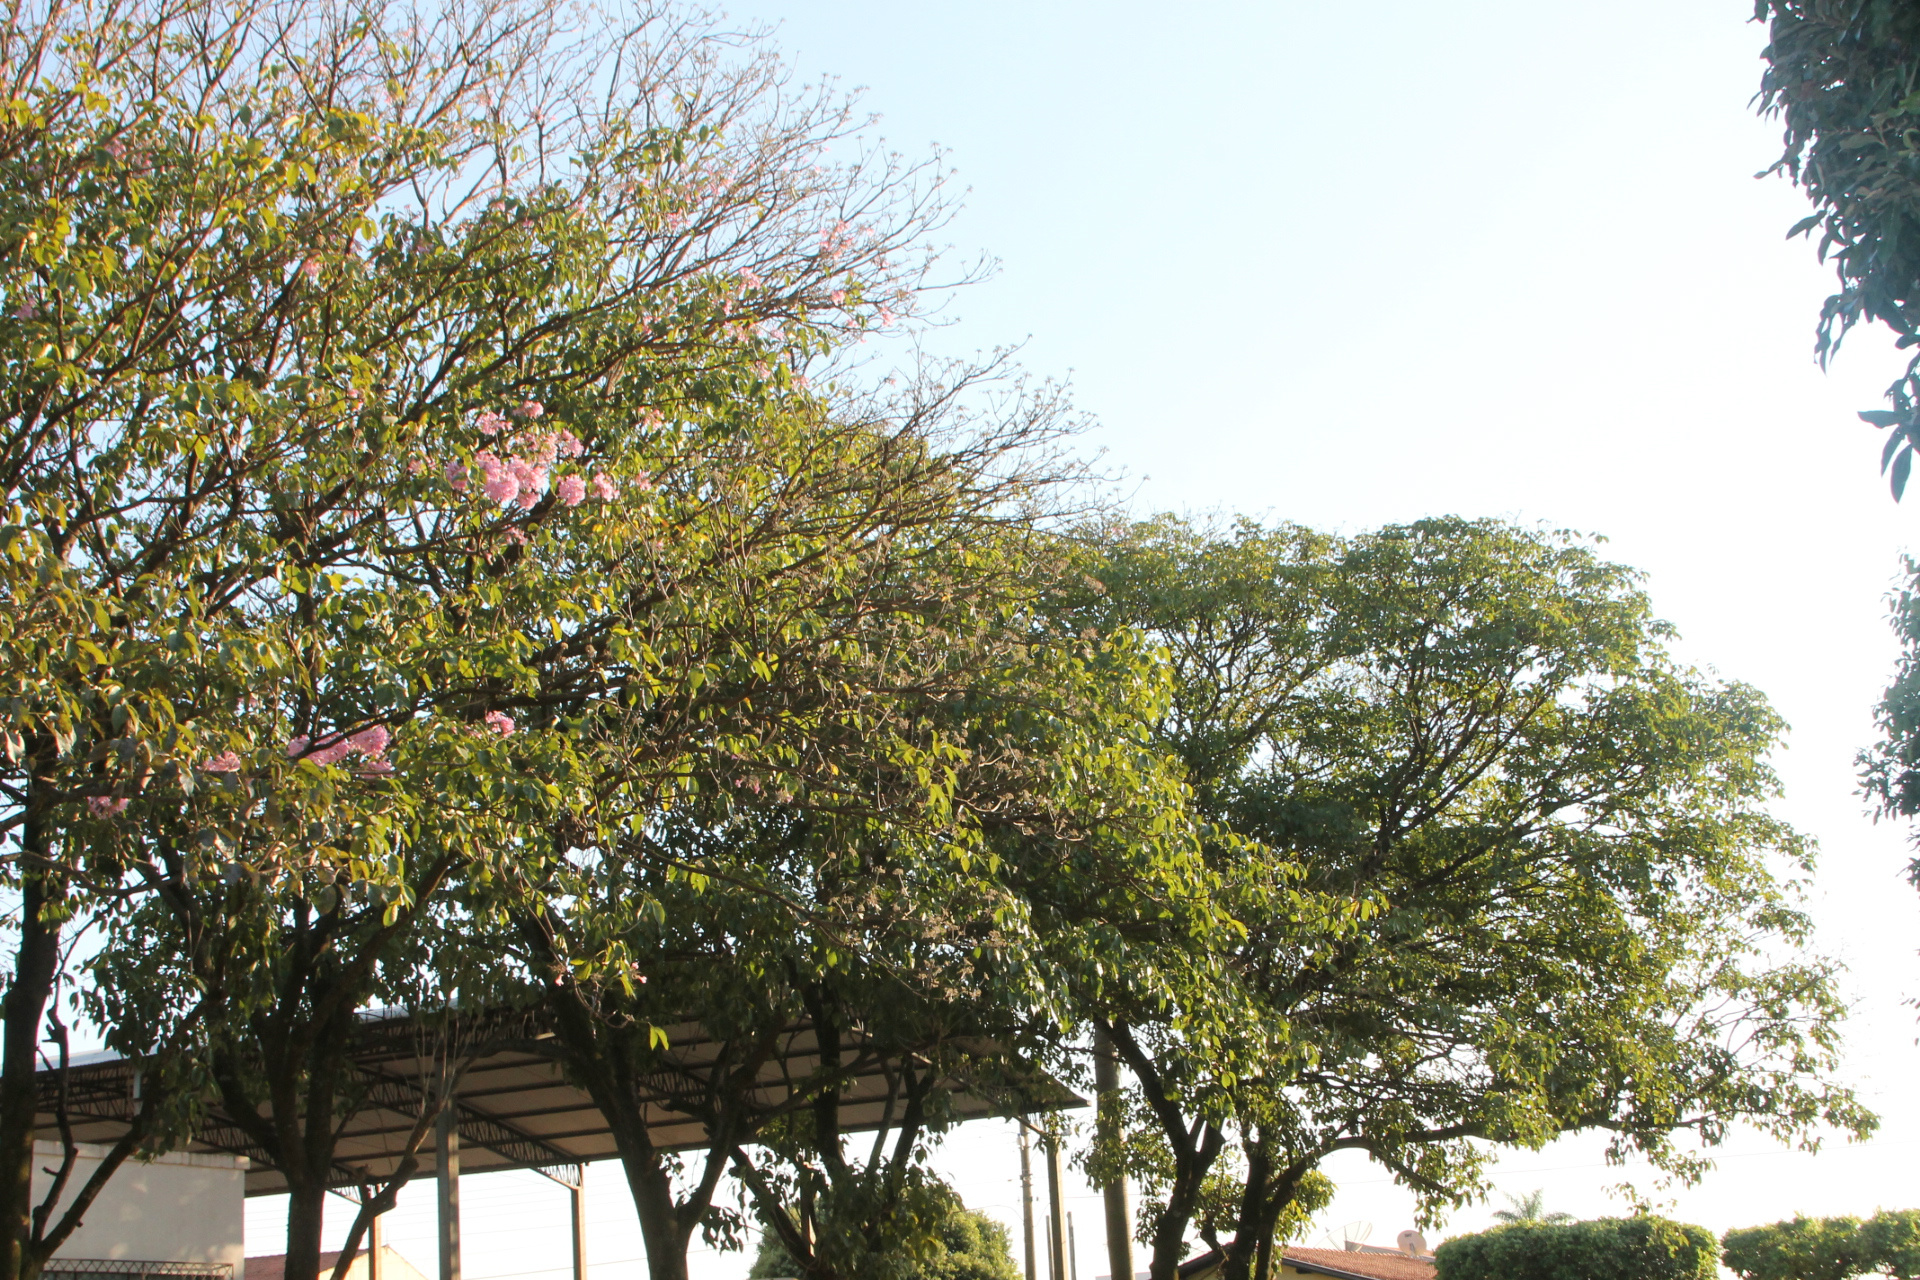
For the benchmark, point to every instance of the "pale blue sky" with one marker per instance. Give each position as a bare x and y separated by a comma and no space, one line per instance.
1348,264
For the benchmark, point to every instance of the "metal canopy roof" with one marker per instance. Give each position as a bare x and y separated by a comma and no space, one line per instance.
516,1109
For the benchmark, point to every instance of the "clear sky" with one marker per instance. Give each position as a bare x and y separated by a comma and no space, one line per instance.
1350,264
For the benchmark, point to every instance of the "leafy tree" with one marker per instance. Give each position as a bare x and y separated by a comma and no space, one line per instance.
1844,77
1499,868
960,1244
1827,1248
872,887
1640,1248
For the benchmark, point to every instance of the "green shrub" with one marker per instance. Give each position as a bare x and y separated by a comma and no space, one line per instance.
1644,1248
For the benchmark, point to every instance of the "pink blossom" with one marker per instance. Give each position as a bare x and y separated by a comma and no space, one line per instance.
886,315
297,747
749,278
572,490
372,741
310,269
500,482
503,487
500,722
530,409
225,762
116,148
356,397
517,536
604,486
457,477
527,479
106,806
331,754
415,466
569,445
490,423
641,482
839,296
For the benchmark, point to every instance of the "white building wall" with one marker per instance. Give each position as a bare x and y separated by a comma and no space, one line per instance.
183,1207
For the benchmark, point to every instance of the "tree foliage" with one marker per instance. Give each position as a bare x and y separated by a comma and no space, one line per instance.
1844,78
960,1244
1498,869
1639,1248
1827,1248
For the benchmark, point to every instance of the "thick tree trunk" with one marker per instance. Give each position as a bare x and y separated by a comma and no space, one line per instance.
306,1212
35,964
660,1228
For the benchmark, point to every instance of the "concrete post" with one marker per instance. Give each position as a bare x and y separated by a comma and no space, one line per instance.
1026,1199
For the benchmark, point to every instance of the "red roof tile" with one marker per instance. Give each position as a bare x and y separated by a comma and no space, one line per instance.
1349,1262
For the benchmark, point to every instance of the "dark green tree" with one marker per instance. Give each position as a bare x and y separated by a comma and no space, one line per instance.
1844,77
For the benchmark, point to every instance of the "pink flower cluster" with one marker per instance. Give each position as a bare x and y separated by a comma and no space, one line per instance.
225,762
500,722
517,470
370,743
106,806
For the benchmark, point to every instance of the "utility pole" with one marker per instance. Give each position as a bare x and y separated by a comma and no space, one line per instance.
1073,1252
1026,1198
1106,1085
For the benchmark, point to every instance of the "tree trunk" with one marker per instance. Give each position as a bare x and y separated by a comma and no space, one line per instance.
1256,1214
659,1219
34,967
306,1212
1170,1233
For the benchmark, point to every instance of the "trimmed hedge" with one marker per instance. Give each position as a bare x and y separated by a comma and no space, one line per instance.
1827,1248
1644,1248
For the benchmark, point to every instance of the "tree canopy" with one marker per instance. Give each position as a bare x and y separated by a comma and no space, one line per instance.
1844,78
1499,869
1827,1248
1639,1248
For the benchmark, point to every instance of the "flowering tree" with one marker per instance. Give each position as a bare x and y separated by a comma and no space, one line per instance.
350,350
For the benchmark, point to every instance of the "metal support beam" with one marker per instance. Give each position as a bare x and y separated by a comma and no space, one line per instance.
578,1196
447,1142
1106,1086
1026,1199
